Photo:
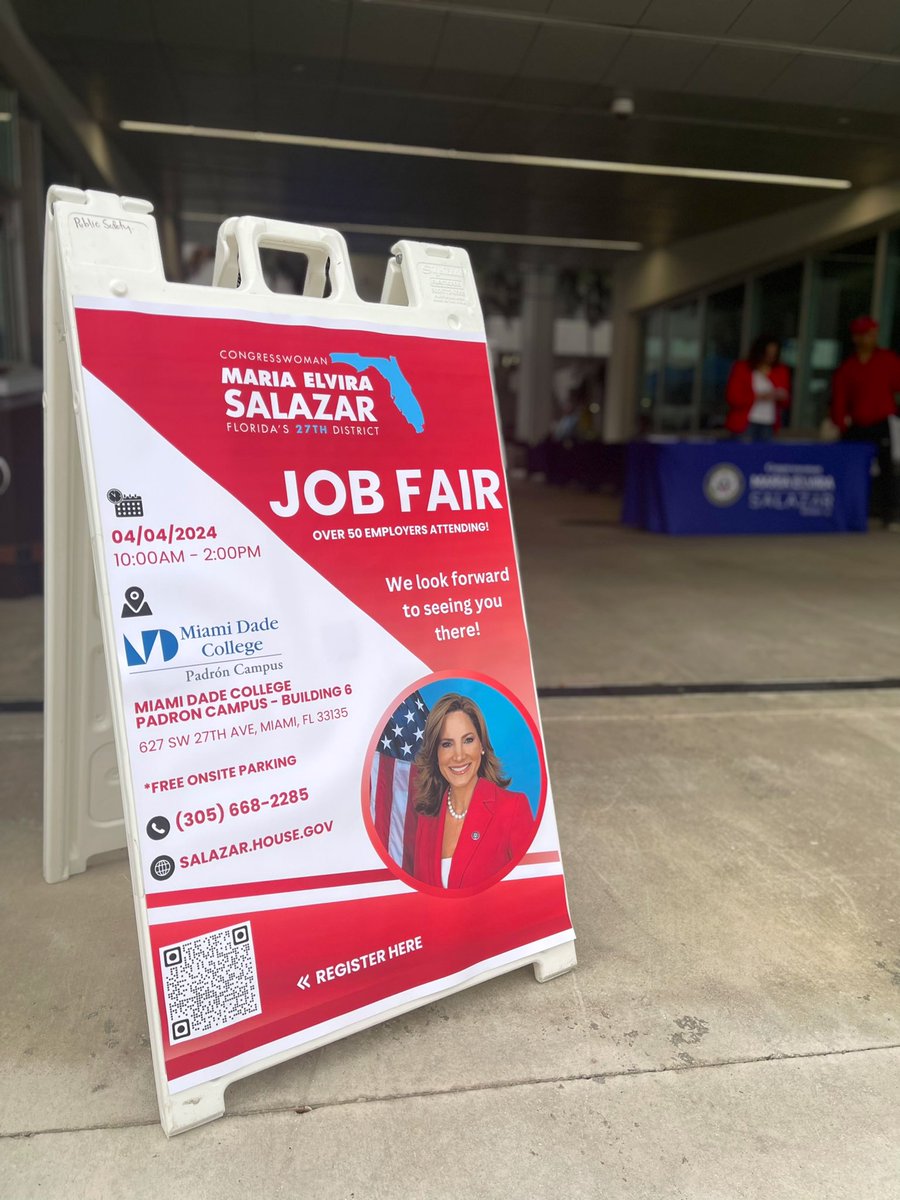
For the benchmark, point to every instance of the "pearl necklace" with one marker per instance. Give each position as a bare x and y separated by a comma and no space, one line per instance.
457,816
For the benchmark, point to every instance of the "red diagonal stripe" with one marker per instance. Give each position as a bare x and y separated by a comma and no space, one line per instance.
266,887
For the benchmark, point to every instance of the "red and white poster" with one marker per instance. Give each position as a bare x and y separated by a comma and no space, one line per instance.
339,783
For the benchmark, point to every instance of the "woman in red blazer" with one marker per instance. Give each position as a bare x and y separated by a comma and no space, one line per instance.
470,828
758,391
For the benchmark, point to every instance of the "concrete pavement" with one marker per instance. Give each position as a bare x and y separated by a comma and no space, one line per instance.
732,1028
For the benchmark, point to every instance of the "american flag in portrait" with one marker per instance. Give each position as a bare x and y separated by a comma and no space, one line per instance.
393,794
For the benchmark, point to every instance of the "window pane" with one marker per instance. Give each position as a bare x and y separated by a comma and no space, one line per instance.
776,308
682,356
8,344
721,348
841,290
890,308
651,364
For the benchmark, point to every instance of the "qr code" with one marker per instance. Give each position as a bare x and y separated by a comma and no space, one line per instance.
209,982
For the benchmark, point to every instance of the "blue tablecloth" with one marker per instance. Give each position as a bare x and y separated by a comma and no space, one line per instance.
735,487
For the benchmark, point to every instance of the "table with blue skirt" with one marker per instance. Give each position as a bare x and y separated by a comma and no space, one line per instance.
723,487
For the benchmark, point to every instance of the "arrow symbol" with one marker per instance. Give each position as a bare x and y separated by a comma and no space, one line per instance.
303,982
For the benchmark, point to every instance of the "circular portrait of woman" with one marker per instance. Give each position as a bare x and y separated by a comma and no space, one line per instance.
455,785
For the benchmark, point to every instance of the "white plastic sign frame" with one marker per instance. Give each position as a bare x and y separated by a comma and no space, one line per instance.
109,691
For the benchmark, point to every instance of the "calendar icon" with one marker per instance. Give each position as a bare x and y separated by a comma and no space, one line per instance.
125,506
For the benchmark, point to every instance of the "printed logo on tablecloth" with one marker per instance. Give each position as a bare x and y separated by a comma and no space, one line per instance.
724,485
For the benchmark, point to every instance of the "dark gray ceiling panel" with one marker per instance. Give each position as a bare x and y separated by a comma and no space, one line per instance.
105,19
312,29
224,64
269,69
692,16
513,6
493,47
872,25
571,55
290,105
877,90
381,76
390,35
549,95
217,101
815,81
224,24
778,20
460,86
656,64
729,71
616,12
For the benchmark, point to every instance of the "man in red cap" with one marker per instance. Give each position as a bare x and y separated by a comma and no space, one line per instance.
863,396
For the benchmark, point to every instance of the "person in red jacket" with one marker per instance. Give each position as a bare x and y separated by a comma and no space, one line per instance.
758,391
863,396
470,827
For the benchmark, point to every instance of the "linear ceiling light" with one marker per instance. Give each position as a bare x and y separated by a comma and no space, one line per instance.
5,116
517,160
513,239
457,235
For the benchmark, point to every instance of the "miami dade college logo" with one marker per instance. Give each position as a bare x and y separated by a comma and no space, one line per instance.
724,485
158,645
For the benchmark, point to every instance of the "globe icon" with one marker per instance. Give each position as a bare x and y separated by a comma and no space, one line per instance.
162,867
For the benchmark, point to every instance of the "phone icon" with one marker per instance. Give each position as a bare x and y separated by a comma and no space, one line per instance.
158,828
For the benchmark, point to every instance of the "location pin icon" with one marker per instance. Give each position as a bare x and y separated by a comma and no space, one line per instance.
135,604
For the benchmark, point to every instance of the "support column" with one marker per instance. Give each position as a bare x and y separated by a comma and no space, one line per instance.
623,367
169,231
534,410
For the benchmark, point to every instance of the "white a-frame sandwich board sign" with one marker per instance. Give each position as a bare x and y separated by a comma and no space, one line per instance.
317,685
